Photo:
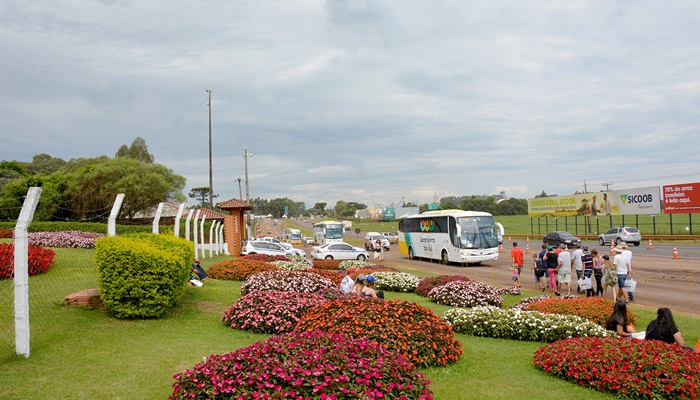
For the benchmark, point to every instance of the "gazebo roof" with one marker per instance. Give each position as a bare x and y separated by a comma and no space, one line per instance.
234,204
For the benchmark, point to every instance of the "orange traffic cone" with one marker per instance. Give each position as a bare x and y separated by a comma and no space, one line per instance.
675,252
612,247
509,238
527,248
500,248
651,247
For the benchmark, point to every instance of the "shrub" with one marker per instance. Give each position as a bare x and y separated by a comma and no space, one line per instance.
142,275
429,283
466,294
264,257
39,260
396,281
326,264
310,365
271,311
286,281
414,331
629,368
594,309
514,324
238,269
68,239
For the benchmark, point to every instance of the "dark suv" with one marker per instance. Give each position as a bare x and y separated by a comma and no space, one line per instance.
558,237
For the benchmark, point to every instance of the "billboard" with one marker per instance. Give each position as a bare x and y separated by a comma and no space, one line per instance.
682,199
612,202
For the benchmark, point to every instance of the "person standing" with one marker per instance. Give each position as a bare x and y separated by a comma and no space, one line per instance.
606,205
564,269
609,277
578,265
517,255
587,261
622,268
552,264
628,253
594,212
597,272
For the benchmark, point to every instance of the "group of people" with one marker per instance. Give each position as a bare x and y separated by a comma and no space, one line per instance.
362,286
594,273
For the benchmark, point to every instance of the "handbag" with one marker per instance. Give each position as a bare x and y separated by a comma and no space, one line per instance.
630,285
585,283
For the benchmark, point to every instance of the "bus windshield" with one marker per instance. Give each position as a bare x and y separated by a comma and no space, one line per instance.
334,231
477,232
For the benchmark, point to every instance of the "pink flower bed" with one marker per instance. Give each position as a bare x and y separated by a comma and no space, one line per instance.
68,239
427,284
313,365
286,281
466,294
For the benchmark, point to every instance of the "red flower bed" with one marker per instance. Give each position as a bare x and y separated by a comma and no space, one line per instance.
593,308
335,276
40,260
313,365
270,311
264,257
6,233
414,331
426,284
327,264
238,269
630,368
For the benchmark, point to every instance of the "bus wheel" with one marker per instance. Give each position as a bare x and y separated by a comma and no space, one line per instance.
445,259
361,257
411,256
329,257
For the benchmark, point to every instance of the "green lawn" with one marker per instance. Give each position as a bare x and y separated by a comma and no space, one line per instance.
86,354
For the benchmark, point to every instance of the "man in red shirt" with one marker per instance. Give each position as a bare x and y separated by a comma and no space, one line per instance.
517,255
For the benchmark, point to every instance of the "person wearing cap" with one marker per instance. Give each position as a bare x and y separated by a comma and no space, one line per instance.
622,268
368,291
587,262
552,264
199,271
628,253
564,268
578,265
358,285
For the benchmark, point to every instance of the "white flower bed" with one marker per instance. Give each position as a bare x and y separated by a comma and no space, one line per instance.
297,258
521,325
465,294
291,265
396,281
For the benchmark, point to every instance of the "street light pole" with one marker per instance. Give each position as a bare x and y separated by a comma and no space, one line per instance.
240,193
211,181
247,186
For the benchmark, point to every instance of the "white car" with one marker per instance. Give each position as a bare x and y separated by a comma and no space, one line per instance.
338,251
391,237
271,239
269,248
372,237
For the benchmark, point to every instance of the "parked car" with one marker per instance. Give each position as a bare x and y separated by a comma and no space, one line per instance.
391,237
288,246
338,251
558,237
372,237
269,248
619,234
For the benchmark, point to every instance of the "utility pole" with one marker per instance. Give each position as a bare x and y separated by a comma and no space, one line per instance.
607,185
585,187
211,181
247,187
240,193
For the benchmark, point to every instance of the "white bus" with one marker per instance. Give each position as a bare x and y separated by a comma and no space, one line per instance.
449,236
328,231
292,235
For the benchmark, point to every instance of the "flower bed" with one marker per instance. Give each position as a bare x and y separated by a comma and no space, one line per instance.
514,290
354,272
7,233
326,264
239,269
304,366
396,281
291,265
67,239
525,302
593,308
629,368
264,257
287,281
364,265
514,324
466,294
336,276
414,331
427,284
39,260
271,311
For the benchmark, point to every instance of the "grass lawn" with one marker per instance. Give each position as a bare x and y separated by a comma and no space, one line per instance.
87,354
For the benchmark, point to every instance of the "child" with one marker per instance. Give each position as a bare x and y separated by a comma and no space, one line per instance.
516,278
540,269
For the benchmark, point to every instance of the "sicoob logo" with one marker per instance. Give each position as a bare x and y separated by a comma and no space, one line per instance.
636,198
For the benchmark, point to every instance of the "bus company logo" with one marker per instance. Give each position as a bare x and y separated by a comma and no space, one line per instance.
636,198
427,225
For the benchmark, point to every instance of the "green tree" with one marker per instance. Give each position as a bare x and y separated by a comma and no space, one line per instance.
44,164
201,194
319,208
138,151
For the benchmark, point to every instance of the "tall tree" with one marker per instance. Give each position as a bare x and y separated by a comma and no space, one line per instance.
44,164
138,151
201,194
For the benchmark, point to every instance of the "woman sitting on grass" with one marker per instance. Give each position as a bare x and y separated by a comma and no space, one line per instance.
618,321
663,328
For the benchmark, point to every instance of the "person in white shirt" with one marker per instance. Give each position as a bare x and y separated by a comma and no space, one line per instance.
622,267
564,269
628,253
578,265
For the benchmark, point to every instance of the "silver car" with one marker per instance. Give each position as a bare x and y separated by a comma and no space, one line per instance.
338,251
619,234
269,248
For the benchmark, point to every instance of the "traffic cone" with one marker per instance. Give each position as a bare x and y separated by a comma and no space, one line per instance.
675,252
527,248
650,246
500,248
509,238
612,247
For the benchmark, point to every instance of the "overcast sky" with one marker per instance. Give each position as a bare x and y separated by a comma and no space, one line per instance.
368,101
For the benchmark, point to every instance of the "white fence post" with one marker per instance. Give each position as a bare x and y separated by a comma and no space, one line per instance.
176,230
187,224
224,249
211,238
112,220
196,250
156,218
201,232
21,242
